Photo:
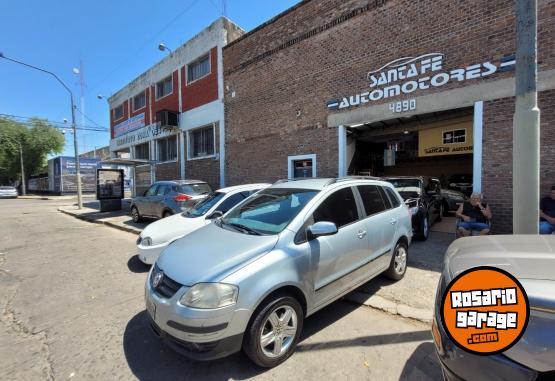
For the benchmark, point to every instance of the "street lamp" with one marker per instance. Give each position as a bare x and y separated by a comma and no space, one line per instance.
162,47
77,164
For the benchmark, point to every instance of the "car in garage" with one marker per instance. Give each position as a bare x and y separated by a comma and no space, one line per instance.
248,280
423,197
8,192
159,234
452,200
531,260
461,183
165,198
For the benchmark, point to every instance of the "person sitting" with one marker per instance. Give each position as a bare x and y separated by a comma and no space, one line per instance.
547,213
475,216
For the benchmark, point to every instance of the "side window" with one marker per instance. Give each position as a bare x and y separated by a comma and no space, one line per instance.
385,199
371,198
339,208
393,197
152,190
230,202
163,189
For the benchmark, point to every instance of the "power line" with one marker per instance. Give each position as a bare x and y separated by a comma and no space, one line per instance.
27,121
89,119
128,57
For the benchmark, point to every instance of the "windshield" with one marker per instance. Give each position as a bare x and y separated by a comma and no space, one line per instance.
269,211
195,189
204,206
407,188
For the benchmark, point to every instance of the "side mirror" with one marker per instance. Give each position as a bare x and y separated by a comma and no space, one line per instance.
215,214
321,229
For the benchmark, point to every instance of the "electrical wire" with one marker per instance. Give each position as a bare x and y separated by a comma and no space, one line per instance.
27,121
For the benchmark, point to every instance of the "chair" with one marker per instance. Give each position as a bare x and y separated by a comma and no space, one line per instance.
472,232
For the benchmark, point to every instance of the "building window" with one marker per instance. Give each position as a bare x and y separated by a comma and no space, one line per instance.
167,149
118,112
142,151
139,101
455,136
164,87
301,166
198,69
201,142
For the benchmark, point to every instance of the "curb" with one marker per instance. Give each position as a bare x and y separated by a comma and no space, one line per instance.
380,303
106,223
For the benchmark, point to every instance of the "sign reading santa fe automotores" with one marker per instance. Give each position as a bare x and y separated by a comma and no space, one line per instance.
409,74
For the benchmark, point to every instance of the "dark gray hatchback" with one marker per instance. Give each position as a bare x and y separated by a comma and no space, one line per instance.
165,198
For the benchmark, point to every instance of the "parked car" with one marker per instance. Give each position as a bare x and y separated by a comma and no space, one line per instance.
249,279
531,259
165,198
461,183
451,200
423,197
8,192
158,235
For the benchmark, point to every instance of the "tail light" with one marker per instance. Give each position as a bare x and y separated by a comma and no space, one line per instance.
182,197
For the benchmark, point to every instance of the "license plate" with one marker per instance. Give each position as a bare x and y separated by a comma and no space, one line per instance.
151,308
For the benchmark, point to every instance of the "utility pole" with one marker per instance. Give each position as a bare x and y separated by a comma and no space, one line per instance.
526,122
23,192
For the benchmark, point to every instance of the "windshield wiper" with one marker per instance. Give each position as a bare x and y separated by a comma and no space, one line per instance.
244,228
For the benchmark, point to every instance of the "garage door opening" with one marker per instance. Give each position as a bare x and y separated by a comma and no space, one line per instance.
437,144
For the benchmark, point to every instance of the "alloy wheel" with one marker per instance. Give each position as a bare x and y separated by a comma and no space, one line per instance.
278,331
400,260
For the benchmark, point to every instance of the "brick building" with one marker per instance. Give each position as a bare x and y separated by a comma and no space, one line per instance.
385,87
172,114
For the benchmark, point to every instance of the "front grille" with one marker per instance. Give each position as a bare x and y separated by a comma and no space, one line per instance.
167,286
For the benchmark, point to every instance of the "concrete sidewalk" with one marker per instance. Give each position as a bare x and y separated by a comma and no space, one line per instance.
412,297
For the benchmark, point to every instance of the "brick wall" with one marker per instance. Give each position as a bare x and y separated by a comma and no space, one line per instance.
142,179
497,165
203,90
322,50
169,102
205,169
167,171
125,116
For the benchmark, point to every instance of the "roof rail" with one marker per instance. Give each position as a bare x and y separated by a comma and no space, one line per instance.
280,181
347,178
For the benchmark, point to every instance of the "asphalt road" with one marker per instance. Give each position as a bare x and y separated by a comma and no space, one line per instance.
71,307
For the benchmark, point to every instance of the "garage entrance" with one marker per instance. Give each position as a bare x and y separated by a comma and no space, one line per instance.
438,144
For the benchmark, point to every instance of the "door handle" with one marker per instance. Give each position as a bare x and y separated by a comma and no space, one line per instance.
361,234
393,221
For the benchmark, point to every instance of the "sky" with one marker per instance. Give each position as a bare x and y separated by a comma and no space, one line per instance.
111,41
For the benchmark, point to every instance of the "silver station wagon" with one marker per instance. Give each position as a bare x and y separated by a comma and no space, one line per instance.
248,280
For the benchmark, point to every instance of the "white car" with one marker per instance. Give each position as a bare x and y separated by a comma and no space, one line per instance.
156,236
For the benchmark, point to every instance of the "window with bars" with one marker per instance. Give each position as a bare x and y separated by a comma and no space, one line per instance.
139,101
455,136
142,151
118,112
198,69
201,142
164,87
167,149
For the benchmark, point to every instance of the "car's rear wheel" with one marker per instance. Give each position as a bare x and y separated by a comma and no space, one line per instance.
274,331
135,215
398,266
424,229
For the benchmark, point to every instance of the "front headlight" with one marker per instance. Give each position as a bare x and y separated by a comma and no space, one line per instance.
147,241
210,295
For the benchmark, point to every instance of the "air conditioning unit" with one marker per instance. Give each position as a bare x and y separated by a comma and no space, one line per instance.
167,118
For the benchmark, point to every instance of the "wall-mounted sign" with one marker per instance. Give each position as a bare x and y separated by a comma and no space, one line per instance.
408,74
403,106
446,139
109,184
139,136
131,124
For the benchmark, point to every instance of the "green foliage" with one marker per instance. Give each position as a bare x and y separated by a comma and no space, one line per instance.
37,139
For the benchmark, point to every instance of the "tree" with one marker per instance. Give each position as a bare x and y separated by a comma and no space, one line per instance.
36,139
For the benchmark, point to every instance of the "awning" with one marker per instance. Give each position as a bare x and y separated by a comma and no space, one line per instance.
128,162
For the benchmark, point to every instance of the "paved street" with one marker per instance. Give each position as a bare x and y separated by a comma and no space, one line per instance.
71,302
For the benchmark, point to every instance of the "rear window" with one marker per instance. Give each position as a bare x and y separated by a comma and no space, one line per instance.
371,199
392,197
195,189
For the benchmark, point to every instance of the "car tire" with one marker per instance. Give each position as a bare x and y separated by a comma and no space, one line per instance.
279,319
399,259
167,213
424,228
135,215
446,209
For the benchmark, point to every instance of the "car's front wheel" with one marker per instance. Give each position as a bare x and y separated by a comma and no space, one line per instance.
274,331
